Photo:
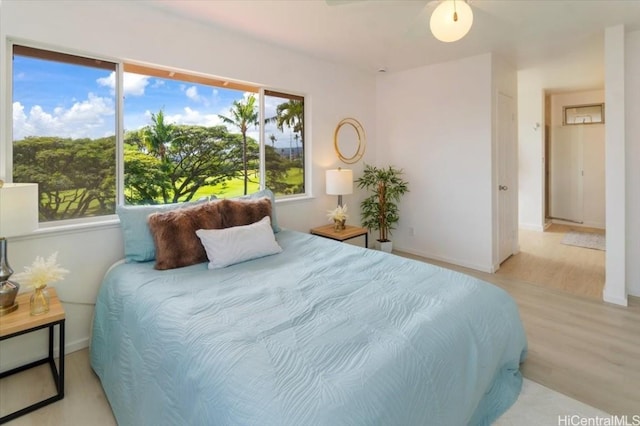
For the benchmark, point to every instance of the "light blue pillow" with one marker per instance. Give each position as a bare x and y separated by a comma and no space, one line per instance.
265,193
138,241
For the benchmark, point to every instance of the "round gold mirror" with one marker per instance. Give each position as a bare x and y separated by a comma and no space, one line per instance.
349,140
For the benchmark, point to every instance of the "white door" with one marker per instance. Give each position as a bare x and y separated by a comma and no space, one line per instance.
566,174
507,191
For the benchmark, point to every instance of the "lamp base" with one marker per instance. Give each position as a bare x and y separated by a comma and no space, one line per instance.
9,309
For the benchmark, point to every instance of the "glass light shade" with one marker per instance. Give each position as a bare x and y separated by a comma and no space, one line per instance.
339,182
18,209
443,25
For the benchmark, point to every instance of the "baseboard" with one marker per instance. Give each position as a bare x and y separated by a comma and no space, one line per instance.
596,225
17,357
622,301
76,345
71,347
531,227
580,225
457,262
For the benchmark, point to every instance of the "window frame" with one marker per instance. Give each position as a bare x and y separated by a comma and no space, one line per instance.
7,142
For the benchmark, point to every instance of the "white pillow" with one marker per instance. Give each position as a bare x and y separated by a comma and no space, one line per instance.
228,246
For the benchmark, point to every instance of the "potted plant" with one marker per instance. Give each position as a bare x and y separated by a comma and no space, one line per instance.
338,216
379,211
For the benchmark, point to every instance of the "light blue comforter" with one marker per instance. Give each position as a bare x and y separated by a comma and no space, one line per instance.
323,333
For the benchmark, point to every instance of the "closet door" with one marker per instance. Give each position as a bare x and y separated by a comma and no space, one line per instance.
566,173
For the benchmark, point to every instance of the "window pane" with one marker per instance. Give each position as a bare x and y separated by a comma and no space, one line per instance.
284,144
187,137
64,132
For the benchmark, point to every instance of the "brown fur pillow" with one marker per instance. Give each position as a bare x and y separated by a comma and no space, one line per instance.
174,234
244,212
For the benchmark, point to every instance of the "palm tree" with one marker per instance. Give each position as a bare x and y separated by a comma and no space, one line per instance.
243,115
158,135
272,137
291,114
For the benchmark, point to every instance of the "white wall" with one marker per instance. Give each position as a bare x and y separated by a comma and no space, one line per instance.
615,287
589,139
132,31
531,123
632,111
436,124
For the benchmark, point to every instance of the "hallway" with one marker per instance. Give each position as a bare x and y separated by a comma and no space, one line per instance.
545,261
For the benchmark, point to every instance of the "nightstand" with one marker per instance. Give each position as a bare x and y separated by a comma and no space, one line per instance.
22,322
348,233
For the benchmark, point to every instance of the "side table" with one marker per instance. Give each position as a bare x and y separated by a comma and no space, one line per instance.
348,233
21,322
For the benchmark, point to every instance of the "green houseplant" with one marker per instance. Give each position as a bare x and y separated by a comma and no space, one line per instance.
379,211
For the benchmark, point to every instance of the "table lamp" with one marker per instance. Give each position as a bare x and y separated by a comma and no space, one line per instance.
18,216
339,182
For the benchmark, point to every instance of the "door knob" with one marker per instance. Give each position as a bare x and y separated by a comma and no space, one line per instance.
503,187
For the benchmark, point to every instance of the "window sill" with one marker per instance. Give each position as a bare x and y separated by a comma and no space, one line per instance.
294,198
111,222
106,223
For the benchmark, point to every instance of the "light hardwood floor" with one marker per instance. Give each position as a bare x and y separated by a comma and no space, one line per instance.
544,260
581,347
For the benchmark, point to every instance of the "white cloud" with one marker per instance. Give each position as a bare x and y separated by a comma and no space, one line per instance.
194,117
192,93
133,84
88,118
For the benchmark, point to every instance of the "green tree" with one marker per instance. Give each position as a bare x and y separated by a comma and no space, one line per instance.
158,136
197,156
76,177
290,114
145,180
243,115
277,168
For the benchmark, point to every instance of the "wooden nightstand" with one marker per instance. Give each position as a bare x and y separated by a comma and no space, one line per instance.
21,322
348,233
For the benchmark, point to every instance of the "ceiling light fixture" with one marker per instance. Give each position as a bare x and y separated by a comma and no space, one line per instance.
451,20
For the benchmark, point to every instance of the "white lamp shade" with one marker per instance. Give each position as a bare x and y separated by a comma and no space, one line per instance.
443,25
18,209
339,182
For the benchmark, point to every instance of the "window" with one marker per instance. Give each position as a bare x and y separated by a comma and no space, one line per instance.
185,136
284,150
64,132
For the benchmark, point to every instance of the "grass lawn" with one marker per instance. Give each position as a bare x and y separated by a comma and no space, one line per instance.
228,189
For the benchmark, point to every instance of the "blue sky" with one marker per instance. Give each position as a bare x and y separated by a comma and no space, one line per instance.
57,99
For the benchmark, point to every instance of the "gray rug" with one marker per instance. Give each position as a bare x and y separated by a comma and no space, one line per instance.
584,239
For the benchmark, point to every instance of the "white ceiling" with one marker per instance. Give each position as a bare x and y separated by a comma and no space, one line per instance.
394,34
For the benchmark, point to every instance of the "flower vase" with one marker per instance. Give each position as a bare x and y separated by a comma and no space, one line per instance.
39,301
338,225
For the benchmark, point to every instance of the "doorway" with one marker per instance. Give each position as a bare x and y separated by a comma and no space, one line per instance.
574,160
573,201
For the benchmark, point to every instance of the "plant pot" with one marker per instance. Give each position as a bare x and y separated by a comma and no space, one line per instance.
385,246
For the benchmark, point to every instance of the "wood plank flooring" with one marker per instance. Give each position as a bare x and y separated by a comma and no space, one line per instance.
544,260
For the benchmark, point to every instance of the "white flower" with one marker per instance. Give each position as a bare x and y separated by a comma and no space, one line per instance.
339,214
41,272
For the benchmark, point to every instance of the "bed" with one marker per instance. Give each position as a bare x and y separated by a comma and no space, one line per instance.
323,333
